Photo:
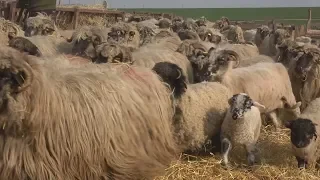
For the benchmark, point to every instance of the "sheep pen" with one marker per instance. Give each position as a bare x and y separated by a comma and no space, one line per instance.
277,161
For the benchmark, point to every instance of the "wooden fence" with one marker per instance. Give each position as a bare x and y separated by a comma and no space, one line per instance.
9,11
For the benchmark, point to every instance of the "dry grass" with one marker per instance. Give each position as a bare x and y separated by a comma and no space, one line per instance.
277,162
65,19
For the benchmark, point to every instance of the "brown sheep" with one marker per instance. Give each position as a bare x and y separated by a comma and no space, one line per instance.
91,122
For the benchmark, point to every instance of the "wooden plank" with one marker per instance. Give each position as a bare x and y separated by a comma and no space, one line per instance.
94,11
12,11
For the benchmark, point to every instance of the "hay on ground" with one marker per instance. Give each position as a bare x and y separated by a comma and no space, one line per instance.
277,162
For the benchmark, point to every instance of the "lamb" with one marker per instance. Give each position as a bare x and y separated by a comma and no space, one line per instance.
100,121
304,136
267,83
200,109
241,126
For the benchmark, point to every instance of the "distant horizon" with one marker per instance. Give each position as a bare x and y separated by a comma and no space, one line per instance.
188,4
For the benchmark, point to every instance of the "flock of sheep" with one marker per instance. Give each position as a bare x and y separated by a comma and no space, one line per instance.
122,102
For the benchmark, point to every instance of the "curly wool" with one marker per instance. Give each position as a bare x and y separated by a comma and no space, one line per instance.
90,122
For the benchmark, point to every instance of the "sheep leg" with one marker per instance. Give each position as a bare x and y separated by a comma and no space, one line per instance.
274,118
318,164
301,163
225,150
251,153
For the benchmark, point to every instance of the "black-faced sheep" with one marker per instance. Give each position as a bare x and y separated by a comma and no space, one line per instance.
304,136
241,126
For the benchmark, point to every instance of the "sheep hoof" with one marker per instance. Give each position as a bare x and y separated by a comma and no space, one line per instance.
225,165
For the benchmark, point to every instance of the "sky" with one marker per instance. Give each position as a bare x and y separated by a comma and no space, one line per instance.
200,3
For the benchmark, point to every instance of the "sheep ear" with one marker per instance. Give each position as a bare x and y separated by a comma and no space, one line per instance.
258,105
288,124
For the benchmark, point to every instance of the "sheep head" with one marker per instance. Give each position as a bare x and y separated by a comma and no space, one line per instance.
113,53
263,31
190,24
222,23
86,41
16,76
207,35
188,34
24,45
164,23
146,34
303,132
306,61
172,74
198,55
280,35
39,25
121,33
235,34
223,57
287,51
240,104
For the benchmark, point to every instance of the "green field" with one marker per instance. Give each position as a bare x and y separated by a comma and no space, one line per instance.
297,15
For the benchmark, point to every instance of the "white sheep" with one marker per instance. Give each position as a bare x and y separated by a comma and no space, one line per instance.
267,83
241,126
304,136
200,108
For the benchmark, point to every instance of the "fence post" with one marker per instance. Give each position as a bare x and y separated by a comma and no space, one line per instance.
76,17
12,11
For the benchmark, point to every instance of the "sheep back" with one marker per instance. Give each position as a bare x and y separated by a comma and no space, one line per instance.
203,108
89,122
266,83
